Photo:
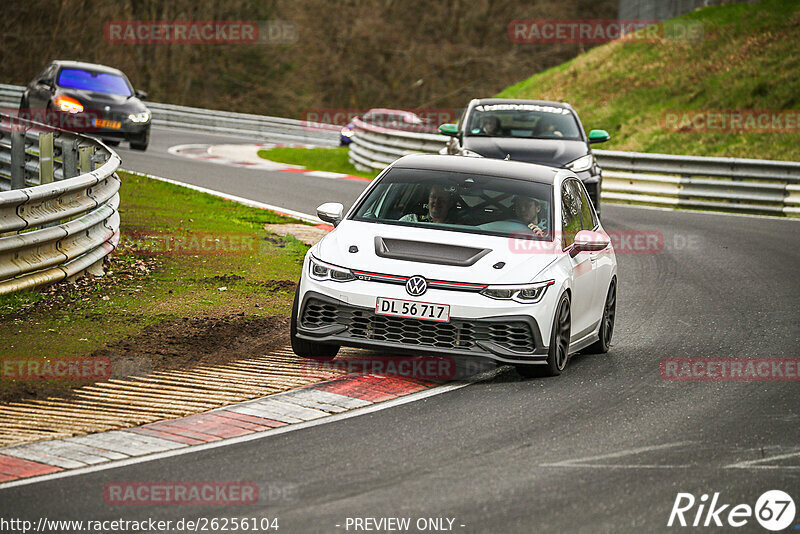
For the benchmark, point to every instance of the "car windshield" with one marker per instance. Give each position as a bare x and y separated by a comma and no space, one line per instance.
524,121
100,82
488,205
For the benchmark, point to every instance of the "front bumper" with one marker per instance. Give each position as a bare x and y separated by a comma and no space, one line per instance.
348,320
128,132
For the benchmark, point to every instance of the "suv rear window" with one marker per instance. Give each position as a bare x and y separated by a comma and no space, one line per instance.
527,121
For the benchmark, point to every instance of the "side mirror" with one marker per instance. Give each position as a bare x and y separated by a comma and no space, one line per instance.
141,95
46,83
331,212
598,136
449,130
589,241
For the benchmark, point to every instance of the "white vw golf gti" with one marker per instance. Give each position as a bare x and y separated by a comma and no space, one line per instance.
461,256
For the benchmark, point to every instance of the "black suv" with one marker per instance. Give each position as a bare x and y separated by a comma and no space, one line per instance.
532,131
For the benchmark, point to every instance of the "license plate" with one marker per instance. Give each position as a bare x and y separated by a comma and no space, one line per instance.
413,309
103,123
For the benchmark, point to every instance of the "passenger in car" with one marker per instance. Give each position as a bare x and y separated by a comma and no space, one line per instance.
440,207
530,212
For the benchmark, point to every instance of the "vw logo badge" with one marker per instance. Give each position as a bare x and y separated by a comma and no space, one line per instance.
416,286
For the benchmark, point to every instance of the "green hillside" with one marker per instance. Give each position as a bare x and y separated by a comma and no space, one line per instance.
747,59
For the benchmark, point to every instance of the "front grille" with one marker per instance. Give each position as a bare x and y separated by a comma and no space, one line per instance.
458,334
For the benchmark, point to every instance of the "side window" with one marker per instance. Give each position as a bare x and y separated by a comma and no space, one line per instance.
588,218
570,213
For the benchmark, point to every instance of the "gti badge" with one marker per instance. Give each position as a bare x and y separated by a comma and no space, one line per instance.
416,286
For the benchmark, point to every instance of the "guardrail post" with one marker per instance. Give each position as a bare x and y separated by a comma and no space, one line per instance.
18,158
85,158
69,158
98,159
46,158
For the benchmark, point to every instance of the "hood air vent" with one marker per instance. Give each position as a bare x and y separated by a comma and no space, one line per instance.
424,252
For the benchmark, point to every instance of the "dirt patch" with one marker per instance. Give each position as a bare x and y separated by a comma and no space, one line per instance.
174,344
275,241
226,278
278,285
309,235
188,342
118,273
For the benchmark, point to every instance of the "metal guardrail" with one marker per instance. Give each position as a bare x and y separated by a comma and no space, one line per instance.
58,205
725,184
223,122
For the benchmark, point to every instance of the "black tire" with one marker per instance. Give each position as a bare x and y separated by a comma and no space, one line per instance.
603,342
142,142
558,353
23,103
308,349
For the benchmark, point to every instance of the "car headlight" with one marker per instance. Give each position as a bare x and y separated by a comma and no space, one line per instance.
144,116
523,293
584,163
68,104
470,153
319,270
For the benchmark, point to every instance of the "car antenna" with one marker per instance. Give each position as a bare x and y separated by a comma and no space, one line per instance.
508,157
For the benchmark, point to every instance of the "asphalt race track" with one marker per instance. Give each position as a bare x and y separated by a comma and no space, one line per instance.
300,193
606,447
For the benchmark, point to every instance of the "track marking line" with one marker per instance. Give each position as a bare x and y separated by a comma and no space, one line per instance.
753,464
578,462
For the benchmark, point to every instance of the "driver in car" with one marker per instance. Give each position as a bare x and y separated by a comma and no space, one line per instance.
440,204
490,125
529,211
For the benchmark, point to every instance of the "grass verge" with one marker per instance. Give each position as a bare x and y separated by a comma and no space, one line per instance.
747,59
316,159
185,258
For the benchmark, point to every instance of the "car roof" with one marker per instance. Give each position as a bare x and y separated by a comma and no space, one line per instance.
491,101
87,66
518,170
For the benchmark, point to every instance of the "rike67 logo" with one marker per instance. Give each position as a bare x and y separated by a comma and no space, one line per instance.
774,511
